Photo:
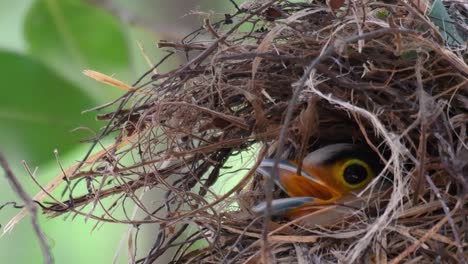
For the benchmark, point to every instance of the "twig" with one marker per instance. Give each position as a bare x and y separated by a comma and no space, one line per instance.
212,31
235,6
13,204
30,206
424,238
203,55
423,100
449,217
180,46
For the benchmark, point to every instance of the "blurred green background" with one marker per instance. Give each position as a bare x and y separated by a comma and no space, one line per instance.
44,46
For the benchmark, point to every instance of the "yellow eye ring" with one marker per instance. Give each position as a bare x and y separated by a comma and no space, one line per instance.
352,173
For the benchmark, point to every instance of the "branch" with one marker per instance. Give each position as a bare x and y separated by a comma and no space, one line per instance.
30,206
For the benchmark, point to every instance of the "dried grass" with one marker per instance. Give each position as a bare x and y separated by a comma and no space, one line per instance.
290,77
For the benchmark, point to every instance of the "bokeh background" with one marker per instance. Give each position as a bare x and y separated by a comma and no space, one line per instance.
44,46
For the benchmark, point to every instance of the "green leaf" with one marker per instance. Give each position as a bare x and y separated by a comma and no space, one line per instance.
12,15
382,14
442,19
38,110
70,36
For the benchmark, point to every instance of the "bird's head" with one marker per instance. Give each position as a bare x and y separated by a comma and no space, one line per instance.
328,175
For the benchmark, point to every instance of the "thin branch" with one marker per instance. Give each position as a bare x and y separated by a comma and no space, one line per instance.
449,217
30,206
423,124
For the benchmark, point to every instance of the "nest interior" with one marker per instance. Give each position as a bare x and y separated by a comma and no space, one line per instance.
287,78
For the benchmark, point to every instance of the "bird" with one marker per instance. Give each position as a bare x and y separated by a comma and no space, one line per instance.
329,175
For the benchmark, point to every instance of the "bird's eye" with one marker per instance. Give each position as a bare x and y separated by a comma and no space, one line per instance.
355,174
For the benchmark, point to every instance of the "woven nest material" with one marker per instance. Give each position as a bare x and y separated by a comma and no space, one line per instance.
288,78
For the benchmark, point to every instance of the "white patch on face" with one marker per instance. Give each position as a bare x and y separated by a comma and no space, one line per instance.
321,155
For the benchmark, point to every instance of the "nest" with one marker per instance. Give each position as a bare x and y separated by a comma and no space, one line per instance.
283,79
